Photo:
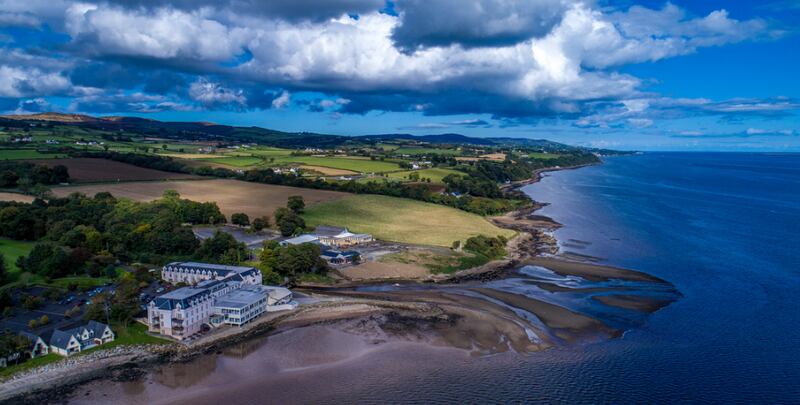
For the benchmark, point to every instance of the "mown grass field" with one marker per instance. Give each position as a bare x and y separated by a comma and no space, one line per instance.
12,249
435,174
425,151
236,161
402,220
356,165
19,154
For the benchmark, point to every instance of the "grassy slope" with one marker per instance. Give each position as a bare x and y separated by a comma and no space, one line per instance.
402,220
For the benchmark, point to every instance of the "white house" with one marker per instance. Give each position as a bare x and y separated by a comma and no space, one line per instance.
193,273
77,337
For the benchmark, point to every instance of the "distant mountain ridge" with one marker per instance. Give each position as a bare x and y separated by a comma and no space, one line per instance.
206,130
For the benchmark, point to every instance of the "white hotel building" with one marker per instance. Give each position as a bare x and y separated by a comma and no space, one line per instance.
220,295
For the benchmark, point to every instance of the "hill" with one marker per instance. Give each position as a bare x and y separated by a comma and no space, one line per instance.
218,132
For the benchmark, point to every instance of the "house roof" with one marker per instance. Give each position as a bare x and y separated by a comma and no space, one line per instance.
307,238
60,339
241,297
221,269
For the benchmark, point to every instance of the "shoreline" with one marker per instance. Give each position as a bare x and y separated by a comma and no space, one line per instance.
532,245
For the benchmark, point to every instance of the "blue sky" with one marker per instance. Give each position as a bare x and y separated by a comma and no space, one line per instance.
646,75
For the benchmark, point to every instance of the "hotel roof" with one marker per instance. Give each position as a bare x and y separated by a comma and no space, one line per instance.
242,297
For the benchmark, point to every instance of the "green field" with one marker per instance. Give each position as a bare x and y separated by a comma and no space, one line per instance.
269,152
12,249
18,154
537,155
426,151
356,165
235,161
402,220
435,174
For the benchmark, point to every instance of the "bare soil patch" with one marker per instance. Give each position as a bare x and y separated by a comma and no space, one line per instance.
392,270
15,197
87,170
231,195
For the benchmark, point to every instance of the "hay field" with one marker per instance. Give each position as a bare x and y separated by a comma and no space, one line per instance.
231,195
402,220
15,197
87,170
327,171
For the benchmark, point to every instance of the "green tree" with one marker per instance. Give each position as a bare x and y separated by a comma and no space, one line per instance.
240,219
288,222
296,204
260,223
221,247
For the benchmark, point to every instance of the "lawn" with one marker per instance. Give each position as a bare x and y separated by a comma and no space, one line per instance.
12,249
402,220
435,174
356,165
18,154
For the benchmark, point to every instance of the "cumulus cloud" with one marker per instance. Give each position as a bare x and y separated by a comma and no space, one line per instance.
212,94
282,100
472,22
508,59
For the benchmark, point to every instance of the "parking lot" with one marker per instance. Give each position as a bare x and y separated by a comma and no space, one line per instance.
54,309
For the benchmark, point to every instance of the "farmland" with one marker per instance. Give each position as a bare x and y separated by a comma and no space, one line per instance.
231,195
344,163
426,151
15,197
87,170
20,154
435,174
402,220
235,161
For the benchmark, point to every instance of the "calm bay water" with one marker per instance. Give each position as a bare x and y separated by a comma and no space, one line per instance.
724,228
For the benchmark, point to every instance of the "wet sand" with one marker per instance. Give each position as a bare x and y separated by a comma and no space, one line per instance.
567,325
634,302
592,272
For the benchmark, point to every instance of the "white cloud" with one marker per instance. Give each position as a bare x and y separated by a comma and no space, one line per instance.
282,100
214,94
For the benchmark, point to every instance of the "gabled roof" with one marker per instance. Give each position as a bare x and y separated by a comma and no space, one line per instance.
220,269
60,339
97,328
